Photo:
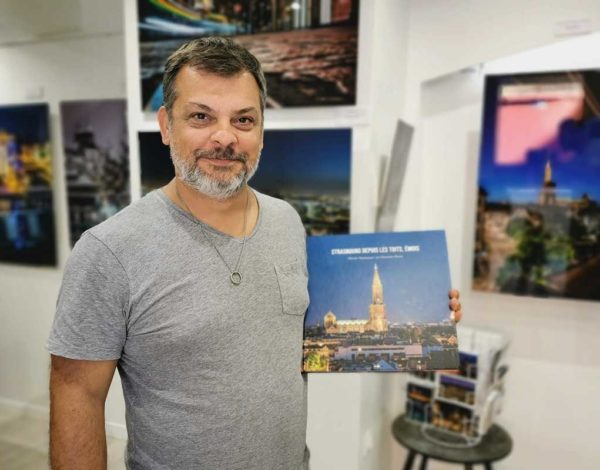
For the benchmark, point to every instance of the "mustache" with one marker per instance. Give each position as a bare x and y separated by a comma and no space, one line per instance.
221,153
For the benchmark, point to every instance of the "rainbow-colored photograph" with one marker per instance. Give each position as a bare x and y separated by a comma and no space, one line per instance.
308,50
27,233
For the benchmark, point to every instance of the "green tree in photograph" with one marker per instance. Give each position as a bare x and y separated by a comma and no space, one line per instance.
525,268
316,362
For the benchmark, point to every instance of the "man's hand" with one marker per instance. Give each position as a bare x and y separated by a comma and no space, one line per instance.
455,307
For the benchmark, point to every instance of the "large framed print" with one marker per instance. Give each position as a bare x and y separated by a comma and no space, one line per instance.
155,162
538,213
27,233
309,168
96,161
379,303
308,49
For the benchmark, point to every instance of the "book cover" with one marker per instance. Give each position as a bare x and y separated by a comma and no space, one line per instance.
379,303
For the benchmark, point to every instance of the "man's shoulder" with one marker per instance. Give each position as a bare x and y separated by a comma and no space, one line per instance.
277,207
139,217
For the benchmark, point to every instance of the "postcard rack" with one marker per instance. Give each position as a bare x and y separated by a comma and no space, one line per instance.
456,408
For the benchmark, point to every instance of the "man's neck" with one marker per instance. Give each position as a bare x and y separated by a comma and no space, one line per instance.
226,215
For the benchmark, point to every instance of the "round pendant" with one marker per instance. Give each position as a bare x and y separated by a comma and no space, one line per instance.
236,278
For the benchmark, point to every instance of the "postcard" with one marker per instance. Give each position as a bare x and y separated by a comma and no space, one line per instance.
379,303
418,403
454,388
454,417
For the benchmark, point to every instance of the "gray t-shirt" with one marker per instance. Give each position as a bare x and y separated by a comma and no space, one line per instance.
210,370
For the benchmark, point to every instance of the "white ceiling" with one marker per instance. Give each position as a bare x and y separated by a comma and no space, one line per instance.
23,21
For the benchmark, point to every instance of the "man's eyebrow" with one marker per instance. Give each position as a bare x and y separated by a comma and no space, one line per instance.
201,106
246,110
249,109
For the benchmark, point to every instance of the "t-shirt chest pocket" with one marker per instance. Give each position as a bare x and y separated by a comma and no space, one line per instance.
293,287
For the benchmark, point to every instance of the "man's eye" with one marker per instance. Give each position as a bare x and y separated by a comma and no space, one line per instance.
245,120
200,116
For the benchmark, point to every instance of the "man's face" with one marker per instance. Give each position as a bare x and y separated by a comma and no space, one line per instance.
215,132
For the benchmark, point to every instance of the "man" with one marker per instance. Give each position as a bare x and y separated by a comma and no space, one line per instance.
196,293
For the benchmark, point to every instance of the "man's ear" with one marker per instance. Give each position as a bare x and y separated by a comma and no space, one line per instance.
163,122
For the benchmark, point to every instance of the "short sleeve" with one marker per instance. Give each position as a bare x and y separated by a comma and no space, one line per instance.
91,311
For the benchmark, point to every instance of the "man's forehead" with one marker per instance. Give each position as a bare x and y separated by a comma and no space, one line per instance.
198,82
190,74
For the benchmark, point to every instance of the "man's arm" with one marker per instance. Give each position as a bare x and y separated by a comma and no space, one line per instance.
78,391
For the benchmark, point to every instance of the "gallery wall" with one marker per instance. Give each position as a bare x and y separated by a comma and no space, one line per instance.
80,64
553,367
403,43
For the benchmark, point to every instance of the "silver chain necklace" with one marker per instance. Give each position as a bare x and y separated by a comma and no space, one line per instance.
234,274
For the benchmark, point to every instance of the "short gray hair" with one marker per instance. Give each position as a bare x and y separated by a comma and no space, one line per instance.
217,55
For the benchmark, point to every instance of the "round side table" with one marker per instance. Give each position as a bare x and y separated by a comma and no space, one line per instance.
495,445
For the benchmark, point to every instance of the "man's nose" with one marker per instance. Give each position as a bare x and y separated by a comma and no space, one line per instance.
224,136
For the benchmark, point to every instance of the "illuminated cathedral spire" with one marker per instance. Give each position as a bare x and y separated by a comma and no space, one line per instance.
377,288
548,190
547,173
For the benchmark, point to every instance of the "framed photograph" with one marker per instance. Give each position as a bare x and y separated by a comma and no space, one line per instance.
538,212
96,161
309,168
379,303
308,50
27,233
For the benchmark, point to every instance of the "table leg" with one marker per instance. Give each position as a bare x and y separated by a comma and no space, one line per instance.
408,463
424,459
468,466
488,465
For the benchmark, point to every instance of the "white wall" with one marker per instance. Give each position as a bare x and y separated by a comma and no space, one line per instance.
71,65
448,35
550,407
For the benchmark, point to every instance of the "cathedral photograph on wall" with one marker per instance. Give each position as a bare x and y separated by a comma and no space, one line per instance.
379,303
538,210
308,50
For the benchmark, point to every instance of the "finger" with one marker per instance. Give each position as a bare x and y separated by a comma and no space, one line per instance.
455,316
454,304
453,294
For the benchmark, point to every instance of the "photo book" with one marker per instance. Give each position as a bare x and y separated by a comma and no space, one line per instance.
379,303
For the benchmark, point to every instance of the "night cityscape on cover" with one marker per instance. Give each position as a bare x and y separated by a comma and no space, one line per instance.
379,303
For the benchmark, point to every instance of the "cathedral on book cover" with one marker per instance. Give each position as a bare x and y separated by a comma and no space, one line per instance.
377,321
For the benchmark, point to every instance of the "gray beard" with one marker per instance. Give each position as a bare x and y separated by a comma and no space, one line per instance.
193,176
